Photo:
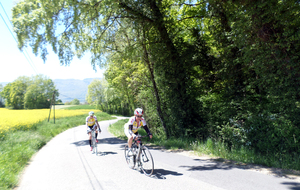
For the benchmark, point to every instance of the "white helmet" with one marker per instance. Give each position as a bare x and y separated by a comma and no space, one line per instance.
138,111
91,113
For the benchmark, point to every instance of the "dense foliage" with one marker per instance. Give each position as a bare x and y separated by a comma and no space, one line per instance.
222,69
29,93
1,99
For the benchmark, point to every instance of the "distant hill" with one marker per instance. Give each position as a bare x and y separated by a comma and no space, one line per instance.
70,89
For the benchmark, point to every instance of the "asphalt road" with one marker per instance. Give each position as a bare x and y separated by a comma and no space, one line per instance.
66,162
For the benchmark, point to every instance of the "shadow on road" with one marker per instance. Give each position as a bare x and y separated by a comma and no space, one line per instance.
208,165
162,173
106,153
111,140
81,143
222,164
294,186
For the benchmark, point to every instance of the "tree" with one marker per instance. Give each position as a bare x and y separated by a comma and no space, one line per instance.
255,83
75,102
96,26
14,92
39,92
67,103
59,101
1,99
99,94
31,93
228,70
5,94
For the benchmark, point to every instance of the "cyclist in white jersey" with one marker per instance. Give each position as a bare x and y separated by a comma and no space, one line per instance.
92,123
131,128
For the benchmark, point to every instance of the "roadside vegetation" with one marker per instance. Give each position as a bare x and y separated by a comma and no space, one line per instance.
220,73
213,149
87,107
29,92
219,77
18,145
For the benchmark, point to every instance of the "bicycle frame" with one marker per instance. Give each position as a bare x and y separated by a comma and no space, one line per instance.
94,143
141,155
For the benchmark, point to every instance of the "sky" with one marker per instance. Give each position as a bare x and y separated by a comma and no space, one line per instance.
14,63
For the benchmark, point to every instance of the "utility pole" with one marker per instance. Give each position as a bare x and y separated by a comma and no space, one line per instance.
54,105
53,99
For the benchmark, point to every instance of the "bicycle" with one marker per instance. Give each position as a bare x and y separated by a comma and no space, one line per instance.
94,143
141,155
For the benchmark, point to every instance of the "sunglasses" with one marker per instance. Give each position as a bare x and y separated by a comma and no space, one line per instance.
138,116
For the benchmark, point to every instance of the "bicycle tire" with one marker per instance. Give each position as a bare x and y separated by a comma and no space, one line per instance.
146,161
94,143
129,158
96,147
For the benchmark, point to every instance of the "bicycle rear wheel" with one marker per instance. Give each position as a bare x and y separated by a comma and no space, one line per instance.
147,164
130,157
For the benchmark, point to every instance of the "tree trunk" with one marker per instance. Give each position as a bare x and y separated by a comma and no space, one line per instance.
158,103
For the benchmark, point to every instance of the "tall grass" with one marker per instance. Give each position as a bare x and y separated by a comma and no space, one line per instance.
217,149
17,147
117,129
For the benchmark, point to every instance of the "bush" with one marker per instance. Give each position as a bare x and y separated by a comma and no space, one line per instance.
268,134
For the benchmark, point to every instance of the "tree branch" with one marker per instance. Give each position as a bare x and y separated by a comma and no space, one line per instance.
190,18
134,12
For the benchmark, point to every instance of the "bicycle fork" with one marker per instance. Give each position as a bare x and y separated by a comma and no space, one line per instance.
139,156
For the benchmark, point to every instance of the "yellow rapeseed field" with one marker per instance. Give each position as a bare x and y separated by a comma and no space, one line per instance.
15,119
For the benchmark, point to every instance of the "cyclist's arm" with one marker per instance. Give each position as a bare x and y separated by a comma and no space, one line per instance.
98,125
148,131
130,130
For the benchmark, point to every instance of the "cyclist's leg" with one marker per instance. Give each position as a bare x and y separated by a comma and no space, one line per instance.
89,132
90,140
129,141
96,135
126,131
129,155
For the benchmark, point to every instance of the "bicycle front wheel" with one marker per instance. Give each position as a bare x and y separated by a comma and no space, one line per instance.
130,157
94,143
147,164
96,147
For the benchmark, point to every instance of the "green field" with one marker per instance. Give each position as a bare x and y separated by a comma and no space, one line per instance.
17,147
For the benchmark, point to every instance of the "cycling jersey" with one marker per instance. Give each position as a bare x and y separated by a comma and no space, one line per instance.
91,120
132,126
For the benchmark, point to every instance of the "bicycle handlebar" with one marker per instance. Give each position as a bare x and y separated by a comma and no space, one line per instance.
141,136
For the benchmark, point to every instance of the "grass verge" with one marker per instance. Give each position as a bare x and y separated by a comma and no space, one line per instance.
81,107
291,163
17,147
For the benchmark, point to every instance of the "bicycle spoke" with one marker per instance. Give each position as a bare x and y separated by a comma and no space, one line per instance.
96,148
130,159
146,160
94,143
